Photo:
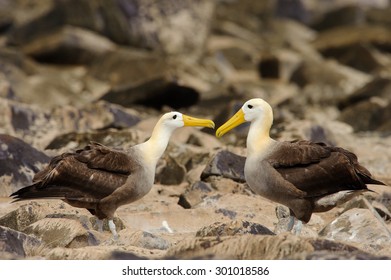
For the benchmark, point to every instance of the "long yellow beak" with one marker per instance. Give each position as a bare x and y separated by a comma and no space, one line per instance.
190,121
233,122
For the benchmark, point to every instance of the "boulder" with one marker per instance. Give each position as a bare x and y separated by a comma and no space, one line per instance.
194,195
169,171
235,227
359,227
24,216
15,242
226,164
18,163
62,232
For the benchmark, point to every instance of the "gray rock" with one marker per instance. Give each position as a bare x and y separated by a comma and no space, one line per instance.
195,195
18,163
343,16
347,36
235,227
15,242
374,115
359,227
327,82
144,239
167,27
169,171
62,232
23,216
226,164
377,87
68,45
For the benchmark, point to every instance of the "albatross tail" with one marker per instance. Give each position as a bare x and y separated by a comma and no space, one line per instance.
35,192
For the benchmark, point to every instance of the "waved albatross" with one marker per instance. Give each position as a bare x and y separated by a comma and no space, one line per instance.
101,179
305,176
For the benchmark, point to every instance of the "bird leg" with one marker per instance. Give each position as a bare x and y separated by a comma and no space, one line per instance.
291,223
113,229
294,225
99,224
297,227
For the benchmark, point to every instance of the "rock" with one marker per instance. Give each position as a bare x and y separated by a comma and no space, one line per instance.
40,127
385,199
23,216
232,228
343,16
327,82
15,242
378,87
242,247
166,27
331,250
195,195
61,232
169,171
143,239
18,163
347,36
359,227
279,64
151,82
374,113
68,45
379,16
225,164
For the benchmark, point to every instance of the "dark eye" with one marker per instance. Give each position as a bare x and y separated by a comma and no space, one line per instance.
174,117
249,106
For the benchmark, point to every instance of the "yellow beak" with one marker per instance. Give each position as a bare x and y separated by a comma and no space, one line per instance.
233,122
190,121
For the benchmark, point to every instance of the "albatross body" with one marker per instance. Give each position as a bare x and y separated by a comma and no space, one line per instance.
305,176
102,179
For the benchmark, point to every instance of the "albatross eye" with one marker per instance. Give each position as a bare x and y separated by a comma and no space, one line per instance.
249,106
174,117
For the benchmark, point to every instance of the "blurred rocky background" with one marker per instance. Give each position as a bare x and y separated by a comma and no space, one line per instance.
72,71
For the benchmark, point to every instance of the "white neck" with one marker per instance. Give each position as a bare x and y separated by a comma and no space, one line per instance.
258,139
155,146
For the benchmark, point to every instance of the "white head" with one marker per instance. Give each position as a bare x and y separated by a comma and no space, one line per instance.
175,120
255,109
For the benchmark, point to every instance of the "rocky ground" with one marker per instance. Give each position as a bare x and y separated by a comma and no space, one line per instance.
75,71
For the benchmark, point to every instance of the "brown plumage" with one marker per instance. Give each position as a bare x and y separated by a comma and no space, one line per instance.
306,177
102,179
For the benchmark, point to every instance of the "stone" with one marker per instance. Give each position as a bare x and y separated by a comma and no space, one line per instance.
18,163
378,87
143,239
194,195
343,16
242,247
360,228
235,227
23,216
226,164
62,232
68,45
347,36
374,114
169,171
151,84
327,82
15,242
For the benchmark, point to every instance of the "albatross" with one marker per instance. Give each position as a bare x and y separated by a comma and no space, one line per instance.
306,177
100,178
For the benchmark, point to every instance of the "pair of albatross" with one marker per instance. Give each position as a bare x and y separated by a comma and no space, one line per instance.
306,177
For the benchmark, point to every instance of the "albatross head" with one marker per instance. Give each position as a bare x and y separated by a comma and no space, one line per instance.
253,110
175,120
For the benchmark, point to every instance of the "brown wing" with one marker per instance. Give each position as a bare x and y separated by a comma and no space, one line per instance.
318,169
88,174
